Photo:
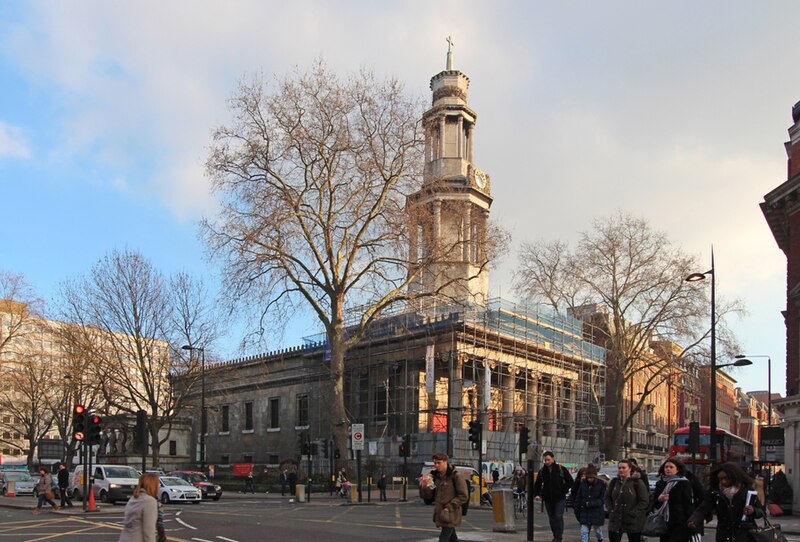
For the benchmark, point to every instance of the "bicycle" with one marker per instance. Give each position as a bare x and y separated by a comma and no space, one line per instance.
520,503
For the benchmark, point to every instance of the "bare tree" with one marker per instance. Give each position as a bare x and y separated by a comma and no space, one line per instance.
20,307
313,178
631,279
131,324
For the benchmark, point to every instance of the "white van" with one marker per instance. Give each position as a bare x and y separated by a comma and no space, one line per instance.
111,482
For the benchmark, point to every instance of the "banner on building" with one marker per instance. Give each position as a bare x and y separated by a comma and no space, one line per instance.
771,445
430,381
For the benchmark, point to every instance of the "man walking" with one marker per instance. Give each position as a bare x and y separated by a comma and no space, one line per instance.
552,485
284,480
451,492
63,485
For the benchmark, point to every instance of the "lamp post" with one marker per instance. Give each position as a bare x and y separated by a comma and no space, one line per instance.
202,351
694,277
769,382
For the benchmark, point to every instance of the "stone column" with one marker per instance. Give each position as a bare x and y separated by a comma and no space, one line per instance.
428,136
555,407
437,224
441,136
470,140
460,137
532,405
508,379
573,409
467,230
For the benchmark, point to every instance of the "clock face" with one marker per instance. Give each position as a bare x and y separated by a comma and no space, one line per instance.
480,178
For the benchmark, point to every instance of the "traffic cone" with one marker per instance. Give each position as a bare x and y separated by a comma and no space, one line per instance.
92,507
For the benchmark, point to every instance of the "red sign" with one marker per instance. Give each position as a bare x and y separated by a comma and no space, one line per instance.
242,469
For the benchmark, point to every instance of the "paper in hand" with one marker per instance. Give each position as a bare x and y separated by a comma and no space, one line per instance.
749,500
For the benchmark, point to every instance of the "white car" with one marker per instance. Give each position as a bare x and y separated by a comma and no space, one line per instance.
176,490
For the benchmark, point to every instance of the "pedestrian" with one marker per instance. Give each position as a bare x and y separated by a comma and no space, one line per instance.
292,482
495,475
63,485
637,471
382,486
674,491
520,480
627,499
580,476
141,512
248,483
588,504
552,485
342,483
448,489
727,499
44,488
284,481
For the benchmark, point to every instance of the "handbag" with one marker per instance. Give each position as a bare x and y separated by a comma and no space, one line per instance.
50,495
656,524
769,532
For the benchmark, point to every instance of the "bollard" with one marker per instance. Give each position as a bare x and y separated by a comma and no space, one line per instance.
12,489
300,492
503,511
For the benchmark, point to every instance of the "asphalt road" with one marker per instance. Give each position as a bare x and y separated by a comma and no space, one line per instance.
246,520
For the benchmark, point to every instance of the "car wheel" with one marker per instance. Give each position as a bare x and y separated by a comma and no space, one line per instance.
5,492
164,498
104,497
217,497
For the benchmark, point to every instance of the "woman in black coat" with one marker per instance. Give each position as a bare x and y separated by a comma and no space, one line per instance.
626,501
726,499
674,489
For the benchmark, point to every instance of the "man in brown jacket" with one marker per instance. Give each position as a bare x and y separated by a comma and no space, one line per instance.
449,490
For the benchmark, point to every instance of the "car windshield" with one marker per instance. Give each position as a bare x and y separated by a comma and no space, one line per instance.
170,481
18,477
198,478
120,472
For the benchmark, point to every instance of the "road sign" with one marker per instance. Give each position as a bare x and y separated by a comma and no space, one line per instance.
358,436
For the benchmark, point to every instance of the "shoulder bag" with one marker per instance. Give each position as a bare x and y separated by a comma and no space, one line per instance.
656,523
769,532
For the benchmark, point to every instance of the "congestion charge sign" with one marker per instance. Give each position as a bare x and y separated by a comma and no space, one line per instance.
358,436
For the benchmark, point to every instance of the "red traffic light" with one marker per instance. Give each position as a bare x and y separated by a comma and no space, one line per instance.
95,420
79,409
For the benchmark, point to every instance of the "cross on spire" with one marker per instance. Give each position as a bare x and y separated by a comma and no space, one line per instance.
449,53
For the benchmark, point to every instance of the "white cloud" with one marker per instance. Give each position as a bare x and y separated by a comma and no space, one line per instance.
13,143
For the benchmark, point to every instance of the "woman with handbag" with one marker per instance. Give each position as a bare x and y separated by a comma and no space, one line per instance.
44,488
626,500
673,492
726,498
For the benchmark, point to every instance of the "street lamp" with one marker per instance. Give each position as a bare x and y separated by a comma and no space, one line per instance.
694,277
202,351
769,381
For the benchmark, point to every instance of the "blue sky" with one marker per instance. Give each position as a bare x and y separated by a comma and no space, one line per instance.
673,111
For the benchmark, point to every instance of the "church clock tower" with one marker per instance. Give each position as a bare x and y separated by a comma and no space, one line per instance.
451,210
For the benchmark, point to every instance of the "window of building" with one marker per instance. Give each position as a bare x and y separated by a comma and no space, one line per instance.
274,413
302,411
247,458
173,447
381,403
248,416
225,459
225,419
273,459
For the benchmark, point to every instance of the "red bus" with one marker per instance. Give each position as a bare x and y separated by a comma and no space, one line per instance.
730,448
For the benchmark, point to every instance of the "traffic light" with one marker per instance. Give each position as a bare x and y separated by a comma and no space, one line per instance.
693,446
95,428
325,449
306,448
336,454
475,428
140,431
79,422
523,440
405,446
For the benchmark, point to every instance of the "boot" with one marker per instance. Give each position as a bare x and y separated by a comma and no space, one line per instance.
55,508
37,510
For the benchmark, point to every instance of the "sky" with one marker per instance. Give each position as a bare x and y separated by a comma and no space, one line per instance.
673,111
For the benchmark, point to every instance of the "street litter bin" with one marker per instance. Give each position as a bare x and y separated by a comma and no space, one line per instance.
503,511
300,492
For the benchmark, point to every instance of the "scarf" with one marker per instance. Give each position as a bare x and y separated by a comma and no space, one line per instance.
730,491
671,482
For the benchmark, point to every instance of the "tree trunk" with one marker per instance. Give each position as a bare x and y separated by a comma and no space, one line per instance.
339,421
155,447
614,430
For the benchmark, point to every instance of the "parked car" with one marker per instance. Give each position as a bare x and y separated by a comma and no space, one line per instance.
208,489
174,489
24,484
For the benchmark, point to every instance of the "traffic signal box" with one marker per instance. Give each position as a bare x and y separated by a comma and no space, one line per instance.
405,446
475,428
95,429
524,440
79,423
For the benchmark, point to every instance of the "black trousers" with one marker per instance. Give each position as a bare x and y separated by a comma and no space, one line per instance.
617,537
65,500
448,534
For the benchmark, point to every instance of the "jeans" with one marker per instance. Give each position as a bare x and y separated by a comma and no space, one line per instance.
598,531
555,513
43,498
448,534
383,493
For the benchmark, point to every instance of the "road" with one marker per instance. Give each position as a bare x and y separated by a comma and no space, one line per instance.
258,519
